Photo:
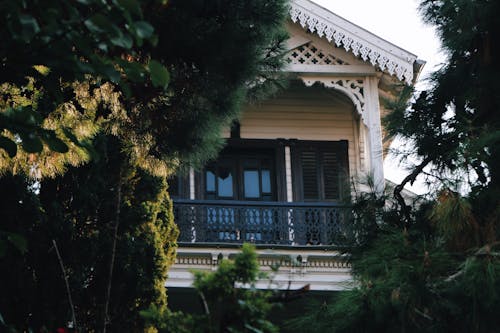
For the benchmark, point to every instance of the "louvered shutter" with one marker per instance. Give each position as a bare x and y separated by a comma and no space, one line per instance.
320,170
331,172
310,181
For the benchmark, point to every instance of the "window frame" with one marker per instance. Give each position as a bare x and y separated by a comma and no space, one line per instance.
250,149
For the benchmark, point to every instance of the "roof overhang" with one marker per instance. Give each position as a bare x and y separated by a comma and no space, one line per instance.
360,42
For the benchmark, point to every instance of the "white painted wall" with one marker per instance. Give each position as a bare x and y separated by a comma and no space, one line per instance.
305,113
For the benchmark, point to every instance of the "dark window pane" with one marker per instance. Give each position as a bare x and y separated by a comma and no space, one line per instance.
266,181
210,181
251,179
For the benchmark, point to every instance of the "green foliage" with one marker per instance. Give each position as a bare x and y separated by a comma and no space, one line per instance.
416,278
100,101
232,304
435,267
169,95
457,125
78,210
53,41
219,55
164,320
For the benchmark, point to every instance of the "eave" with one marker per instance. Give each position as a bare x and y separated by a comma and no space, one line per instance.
380,53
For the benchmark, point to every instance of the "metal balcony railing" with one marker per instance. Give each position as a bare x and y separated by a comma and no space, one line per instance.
285,223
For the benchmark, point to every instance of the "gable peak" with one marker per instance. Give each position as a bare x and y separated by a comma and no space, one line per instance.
354,39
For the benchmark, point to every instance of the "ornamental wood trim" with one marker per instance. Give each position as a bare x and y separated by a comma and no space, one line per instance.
342,33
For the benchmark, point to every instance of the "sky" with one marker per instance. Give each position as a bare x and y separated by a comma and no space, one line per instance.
398,22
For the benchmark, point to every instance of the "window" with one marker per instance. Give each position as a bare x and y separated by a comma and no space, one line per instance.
244,173
220,179
319,170
241,175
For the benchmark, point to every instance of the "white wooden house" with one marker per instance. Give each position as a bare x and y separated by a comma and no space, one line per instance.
283,178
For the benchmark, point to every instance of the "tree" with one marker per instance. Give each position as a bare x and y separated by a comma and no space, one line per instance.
132,121
230,300
225,52
435,267
73,210
49,42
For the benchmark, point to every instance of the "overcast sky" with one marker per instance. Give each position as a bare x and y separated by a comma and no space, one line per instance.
398,22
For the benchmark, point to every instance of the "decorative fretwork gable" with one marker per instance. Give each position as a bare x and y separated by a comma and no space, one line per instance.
353,39
309,54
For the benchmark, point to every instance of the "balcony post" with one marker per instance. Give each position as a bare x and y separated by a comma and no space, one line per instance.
288,174
192,193
374,133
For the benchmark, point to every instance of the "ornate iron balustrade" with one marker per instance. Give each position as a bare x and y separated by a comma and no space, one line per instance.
285,223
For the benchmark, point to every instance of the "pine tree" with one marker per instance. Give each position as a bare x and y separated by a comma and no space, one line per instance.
434,267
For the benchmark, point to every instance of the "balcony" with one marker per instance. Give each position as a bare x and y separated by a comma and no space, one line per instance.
265,223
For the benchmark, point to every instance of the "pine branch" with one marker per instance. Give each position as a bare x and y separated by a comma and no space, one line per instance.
409,179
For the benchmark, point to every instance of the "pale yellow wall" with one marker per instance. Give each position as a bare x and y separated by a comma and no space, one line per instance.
305,113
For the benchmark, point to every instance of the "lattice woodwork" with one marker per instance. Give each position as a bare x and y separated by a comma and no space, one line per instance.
309,54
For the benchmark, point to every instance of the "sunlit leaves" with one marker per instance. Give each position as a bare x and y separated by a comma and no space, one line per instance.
69,41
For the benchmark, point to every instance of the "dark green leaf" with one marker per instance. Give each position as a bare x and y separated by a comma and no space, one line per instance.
160,77
130,5
135,71
85,67
122,40
154,40
97,23
107,70
29,26
18,241
9,146
103,47
143,29
125,87
252,329
112,74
